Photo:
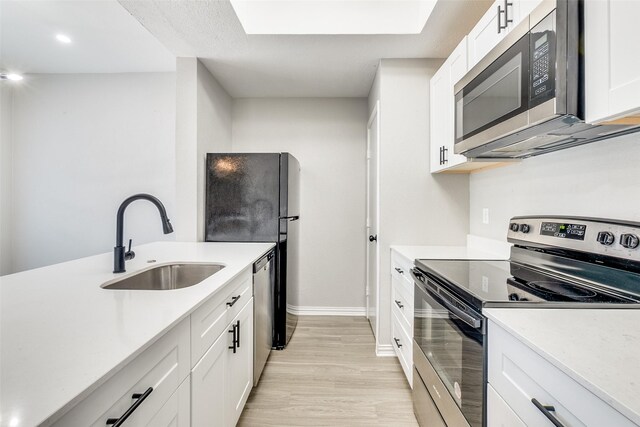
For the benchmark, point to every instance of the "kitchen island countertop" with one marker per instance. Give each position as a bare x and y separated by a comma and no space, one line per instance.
62,335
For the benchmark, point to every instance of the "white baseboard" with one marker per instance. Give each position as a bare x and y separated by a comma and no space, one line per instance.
385,350
326,311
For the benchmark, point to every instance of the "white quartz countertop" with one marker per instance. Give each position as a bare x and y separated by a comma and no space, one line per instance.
476,248
61,334
598,348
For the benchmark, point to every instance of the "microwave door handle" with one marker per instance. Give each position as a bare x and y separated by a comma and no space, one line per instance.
460,314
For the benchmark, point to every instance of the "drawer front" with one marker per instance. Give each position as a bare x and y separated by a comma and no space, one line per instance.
163,366
519,375
499,414
404,305
211,319
402,345
400,267
177,411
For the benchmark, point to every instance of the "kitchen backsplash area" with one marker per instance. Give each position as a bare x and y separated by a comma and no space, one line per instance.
597,180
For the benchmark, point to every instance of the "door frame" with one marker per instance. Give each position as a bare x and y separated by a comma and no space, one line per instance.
375,115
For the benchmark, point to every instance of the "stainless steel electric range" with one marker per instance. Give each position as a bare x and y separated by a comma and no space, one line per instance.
556,262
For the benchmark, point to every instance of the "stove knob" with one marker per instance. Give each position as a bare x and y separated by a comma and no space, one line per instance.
629,241
606,238
525,228
514,226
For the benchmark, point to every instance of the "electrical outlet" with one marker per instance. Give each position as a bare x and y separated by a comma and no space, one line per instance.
485,215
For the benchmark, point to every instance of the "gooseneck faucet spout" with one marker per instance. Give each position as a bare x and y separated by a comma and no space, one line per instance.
119,253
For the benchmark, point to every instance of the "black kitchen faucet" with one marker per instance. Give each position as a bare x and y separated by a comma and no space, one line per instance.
119,253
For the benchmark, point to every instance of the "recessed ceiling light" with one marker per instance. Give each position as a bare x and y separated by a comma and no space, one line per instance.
63,39
11,76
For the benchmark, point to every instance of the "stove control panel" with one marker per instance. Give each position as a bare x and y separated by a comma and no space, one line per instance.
619,239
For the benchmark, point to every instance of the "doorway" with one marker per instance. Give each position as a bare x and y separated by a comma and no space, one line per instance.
372,215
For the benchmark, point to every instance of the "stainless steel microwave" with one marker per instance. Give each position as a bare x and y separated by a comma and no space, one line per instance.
526,96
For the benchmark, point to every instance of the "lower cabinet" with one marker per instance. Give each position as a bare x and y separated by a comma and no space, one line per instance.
402,312
223,378
168,384
526,389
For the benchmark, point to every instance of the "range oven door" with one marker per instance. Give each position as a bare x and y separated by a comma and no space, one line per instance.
449,352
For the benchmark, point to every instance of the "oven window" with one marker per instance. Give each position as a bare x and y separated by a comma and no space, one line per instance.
455,351
499,92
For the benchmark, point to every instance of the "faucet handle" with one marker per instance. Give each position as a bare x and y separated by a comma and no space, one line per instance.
129,254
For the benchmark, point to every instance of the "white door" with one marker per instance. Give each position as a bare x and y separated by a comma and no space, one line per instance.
373,145
485,35
240,365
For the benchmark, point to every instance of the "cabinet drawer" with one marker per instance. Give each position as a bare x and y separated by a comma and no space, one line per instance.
519,375
403,346
499,414
211,319
402,303
177,411
163,366
400,267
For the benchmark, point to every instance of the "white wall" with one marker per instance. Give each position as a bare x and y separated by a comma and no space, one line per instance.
203,124
82,143
6,255
416,208
328,137
600,180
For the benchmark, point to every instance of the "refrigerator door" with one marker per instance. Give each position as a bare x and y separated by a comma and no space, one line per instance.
242,197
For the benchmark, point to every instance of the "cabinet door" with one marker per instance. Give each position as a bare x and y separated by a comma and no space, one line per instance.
499,414
438,120
520,9
612,59
176,411
457,64
208,380
485,35
239,381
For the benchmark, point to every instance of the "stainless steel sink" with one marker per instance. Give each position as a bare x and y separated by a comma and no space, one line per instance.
165,277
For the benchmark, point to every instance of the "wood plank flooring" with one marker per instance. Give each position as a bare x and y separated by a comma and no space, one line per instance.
329,375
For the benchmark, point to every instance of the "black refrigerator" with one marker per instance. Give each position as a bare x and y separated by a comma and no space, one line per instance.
255,197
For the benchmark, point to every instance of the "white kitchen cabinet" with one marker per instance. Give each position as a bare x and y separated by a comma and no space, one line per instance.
518,374
223,378
499,414
176,412
442,115
612,61
487,33
402,312
162,368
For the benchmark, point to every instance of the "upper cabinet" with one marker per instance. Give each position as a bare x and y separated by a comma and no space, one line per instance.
612,61
500,18
442,113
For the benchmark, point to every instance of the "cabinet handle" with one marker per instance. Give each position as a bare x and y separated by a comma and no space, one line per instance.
507,20
444,155
441,154
546,411
397,342
139,398
233,301
233,340
238,333
399,304
399,270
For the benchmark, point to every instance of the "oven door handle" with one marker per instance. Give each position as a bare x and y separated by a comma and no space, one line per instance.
460,314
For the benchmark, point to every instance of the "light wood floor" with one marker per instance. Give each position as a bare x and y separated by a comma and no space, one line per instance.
329,375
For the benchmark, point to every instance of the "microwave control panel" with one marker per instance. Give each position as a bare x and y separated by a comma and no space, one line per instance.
542,61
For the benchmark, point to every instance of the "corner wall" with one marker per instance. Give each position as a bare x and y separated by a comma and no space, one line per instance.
203,124
6,172
416,207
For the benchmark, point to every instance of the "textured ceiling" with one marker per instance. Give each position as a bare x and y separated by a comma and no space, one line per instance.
294,65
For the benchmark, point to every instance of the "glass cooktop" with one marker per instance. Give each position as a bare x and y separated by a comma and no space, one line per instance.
479,282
